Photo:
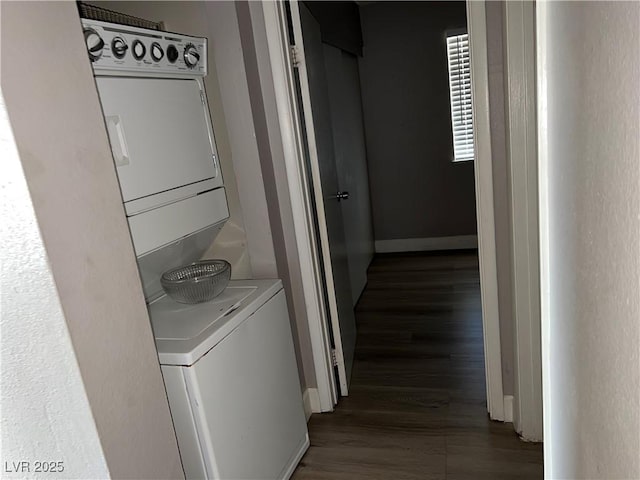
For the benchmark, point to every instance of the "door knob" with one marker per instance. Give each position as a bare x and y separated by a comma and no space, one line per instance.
342,196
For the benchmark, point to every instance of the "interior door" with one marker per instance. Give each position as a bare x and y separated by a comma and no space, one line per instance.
322,164
345,99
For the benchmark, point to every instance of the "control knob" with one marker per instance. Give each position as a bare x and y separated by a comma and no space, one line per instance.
156,52
138,49
119,47
191,55
172,53
95,44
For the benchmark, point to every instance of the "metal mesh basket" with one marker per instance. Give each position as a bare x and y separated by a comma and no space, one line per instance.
198,282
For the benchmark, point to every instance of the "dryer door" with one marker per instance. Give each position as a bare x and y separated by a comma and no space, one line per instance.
160,134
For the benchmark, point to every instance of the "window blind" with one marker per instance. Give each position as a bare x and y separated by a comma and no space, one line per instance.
460,94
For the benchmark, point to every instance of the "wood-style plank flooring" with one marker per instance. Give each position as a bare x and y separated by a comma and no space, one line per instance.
416,407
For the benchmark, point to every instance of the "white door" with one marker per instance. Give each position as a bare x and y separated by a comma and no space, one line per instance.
153,125
321,159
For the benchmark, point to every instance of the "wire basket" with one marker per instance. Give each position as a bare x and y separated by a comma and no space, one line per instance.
198,282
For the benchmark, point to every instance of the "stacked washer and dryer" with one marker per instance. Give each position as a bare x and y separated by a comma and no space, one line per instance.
228,365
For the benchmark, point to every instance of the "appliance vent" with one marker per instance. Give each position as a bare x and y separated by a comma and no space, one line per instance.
93,12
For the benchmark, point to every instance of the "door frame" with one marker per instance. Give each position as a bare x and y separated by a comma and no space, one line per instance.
325,396
522,159
483,172
338,357
300,196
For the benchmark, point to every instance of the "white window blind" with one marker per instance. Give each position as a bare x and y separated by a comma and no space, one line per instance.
460,93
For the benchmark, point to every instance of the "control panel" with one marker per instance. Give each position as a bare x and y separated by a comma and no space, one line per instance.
122,48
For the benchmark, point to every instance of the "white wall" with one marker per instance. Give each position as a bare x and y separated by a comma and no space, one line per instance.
59,130
589,119
45,409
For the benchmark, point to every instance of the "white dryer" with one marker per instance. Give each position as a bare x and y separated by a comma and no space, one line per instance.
151,89
229,365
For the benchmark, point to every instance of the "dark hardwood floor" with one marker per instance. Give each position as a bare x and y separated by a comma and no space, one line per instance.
416,407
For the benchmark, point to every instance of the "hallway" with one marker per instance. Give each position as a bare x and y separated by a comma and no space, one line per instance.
416,408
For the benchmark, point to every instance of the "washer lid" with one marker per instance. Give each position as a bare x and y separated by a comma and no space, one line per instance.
186,332
179,321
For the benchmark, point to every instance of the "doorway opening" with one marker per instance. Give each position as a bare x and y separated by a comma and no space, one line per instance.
386,104
308,58
415,123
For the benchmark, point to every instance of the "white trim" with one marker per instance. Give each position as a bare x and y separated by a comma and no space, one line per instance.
542,51
520,98
477,25
311,401
426,244
508,408
283,80
297,456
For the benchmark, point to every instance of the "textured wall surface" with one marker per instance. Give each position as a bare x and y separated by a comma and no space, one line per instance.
45,410
416,190
61,138
589,119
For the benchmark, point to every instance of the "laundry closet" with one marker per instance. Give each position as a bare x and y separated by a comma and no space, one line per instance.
228,364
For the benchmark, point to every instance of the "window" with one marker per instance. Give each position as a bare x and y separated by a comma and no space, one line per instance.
460,94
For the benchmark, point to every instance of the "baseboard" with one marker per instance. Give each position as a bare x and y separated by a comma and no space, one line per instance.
508,408
311,400
295,459
426,244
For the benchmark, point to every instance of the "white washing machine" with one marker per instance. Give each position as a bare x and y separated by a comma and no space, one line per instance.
232,385
229,366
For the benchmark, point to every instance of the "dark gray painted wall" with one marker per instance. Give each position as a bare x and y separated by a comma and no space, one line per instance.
339,24
416,190
343,82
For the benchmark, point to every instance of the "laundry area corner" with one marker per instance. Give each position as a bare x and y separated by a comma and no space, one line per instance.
185,171
228,362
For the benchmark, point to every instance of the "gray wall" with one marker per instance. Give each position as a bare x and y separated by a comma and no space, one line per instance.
416,190
590,242
502,212
339,24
